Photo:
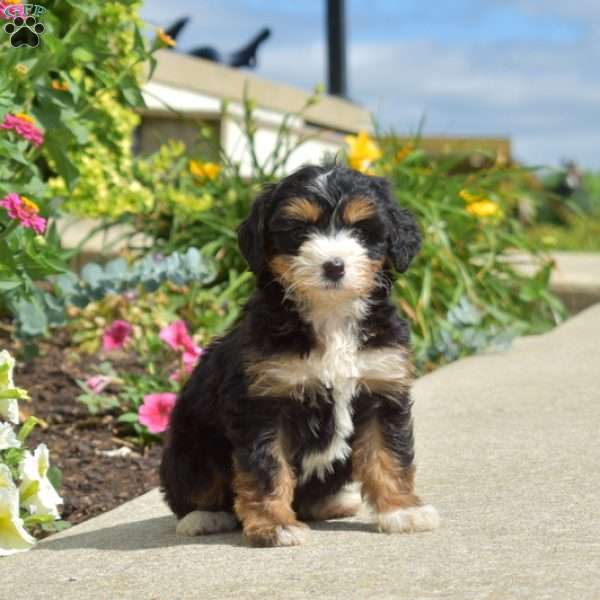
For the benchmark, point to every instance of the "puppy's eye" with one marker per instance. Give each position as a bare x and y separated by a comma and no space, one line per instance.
370,230
289,226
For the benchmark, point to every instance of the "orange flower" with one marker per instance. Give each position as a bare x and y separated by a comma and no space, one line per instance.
167,40
204,170
59,85
404,152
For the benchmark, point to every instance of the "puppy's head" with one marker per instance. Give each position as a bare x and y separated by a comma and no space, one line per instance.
327,232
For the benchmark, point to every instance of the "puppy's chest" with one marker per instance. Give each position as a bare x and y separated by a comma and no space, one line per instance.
321,388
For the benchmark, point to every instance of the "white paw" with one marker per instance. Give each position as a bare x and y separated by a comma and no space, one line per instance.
409,520
201,522
290,535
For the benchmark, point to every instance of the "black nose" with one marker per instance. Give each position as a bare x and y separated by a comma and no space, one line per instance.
334,269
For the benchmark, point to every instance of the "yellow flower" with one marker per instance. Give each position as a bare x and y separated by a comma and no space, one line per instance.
404,152
21,69
206,170
24,117
59,85
362,151
30,205
483,209
468,197
167,40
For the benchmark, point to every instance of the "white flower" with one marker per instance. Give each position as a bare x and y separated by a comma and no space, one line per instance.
8,439
9,394
38,495
13,535
6,478
7,364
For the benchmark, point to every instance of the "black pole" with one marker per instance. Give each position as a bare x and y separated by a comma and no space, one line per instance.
336,48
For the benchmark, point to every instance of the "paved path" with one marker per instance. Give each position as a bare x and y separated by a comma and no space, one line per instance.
508,450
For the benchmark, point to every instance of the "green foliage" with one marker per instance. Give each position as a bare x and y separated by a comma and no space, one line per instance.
463,294
76,91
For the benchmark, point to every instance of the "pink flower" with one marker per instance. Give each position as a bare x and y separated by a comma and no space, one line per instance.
25,211
97,383
23,125
16,10
177,336
154,413
116,335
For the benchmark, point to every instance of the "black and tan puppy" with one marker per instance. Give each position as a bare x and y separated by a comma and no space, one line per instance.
310,390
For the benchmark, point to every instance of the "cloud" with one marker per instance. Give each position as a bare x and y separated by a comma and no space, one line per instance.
526,69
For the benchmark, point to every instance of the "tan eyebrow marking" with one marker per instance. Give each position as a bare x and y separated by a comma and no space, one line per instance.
302,209
358,209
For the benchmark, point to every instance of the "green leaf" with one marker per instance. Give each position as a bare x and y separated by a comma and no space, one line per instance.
55,475
65,168
129,417
31,317
131,92
27,428
82,55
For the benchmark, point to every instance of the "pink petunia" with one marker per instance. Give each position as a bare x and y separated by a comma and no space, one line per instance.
176,335
25,211
156,410
23,125
97,383
116,334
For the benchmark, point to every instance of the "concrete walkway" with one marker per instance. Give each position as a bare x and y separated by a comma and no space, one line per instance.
508,450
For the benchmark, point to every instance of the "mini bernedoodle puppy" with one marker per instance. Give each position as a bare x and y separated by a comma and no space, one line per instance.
310,390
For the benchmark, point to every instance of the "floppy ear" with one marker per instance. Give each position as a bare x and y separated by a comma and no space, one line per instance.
251,233
403,235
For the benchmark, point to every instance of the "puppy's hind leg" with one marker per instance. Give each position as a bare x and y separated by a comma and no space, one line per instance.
341,505
198,490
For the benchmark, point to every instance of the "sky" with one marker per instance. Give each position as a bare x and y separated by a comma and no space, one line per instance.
525,69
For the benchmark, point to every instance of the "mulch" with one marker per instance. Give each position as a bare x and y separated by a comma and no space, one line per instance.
93,482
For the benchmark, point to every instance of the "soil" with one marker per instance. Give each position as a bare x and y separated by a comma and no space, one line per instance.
93,481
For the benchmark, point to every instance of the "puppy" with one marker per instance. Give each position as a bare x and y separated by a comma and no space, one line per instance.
310,390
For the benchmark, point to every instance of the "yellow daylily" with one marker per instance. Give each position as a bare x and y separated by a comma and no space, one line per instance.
483,209
204,170
362,151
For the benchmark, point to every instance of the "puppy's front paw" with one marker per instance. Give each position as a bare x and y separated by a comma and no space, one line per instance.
279,535
409,520
201,522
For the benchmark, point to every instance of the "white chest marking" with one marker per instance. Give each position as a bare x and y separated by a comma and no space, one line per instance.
338,365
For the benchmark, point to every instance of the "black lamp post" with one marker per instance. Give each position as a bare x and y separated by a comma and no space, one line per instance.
336,48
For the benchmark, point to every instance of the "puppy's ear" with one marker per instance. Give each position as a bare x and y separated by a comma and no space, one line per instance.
251,233
403,235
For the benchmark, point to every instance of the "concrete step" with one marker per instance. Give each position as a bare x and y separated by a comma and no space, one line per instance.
507,448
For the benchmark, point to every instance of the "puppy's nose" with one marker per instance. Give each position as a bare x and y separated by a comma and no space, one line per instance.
334,269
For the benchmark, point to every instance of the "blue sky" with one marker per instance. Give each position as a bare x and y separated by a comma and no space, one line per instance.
527,69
